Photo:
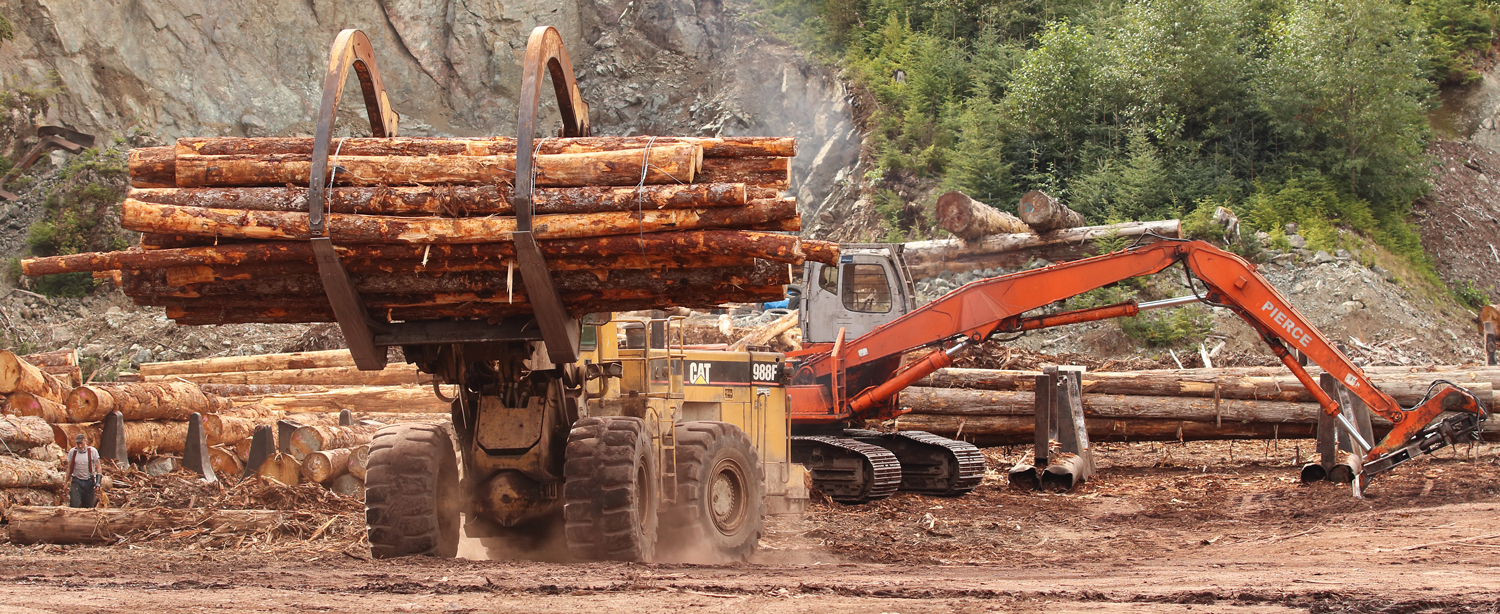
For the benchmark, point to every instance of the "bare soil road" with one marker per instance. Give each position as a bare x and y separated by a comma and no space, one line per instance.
1177,528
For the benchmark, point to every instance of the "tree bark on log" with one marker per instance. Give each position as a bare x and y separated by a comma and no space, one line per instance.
605,285
227,429
282,468
19,375
153,167
1044,214
237,392
928,258
316,310
672,265
65,525
27,404
69,376
392,375
260,362
1020,430
953,401
767,171
969,219
826,252
713,147
1407,389
148,437
12,497
142,401
58,358
24,432
667,164
764,245
351,228
309,439
17,472
454,201
358,459
325,466
402,399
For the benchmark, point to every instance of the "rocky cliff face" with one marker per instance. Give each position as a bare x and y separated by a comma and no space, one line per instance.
154,70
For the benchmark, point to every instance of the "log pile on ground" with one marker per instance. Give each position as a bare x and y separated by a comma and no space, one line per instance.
1014,251
308,388
29,463
62,364
423,226
179,510
996,407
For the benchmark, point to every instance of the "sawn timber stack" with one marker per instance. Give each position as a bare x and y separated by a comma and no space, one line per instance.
423,226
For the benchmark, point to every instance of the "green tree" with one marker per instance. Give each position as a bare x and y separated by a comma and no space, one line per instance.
1344,85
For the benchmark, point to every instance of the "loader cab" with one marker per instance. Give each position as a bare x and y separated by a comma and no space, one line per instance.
869,287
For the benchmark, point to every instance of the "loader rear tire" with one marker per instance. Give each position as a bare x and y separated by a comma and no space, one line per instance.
719,510
412,492
610,490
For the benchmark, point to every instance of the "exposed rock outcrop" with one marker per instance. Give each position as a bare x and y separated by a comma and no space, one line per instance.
158,69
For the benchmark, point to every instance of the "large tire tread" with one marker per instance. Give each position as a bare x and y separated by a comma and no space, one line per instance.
689,531
410,482
609,514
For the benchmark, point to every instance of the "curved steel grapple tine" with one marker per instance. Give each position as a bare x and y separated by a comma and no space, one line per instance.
544,49
351,49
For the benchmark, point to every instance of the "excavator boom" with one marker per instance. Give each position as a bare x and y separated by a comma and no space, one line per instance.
823,394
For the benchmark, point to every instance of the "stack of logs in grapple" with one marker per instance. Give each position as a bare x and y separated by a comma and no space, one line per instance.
423,226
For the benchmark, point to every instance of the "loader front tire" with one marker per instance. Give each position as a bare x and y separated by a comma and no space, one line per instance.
412,496
610,490
719,510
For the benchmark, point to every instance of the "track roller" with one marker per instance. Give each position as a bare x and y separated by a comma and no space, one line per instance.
930,464
846,470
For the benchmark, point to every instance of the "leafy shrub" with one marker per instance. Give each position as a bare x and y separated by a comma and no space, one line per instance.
12,271
66,285
1471,295
1175,327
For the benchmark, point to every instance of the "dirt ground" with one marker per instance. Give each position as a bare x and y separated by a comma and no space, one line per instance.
1169,528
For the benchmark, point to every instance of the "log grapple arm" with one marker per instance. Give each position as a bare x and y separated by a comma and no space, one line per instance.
987,307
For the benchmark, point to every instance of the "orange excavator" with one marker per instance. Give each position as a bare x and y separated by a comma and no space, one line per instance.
860,322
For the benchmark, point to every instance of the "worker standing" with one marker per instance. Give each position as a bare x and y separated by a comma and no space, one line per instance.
83,468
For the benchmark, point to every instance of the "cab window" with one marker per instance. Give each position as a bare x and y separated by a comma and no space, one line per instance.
866,288
588,338
828,279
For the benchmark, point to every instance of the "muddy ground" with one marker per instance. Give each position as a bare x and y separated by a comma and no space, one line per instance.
1163,528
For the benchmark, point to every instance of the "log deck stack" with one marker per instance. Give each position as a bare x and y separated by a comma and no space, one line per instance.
423,226
996,407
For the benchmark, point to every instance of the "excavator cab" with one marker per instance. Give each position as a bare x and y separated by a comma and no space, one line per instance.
869,287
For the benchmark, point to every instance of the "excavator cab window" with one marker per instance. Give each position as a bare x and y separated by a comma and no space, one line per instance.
828,279
866,288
